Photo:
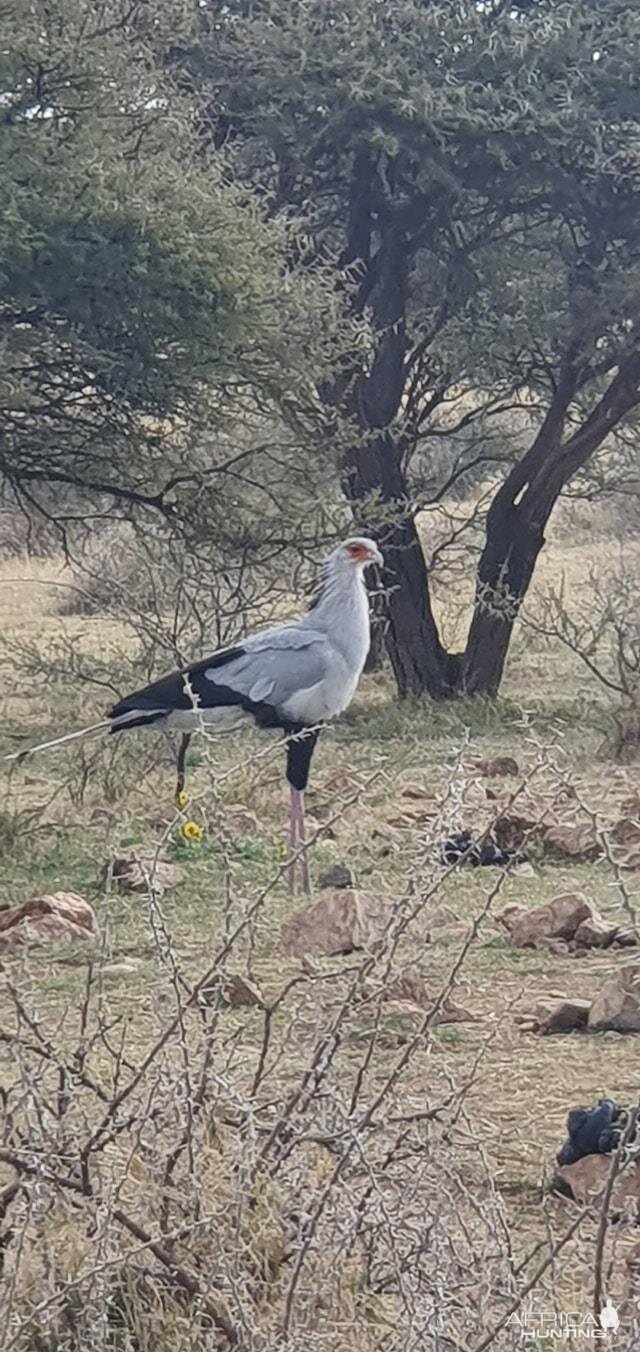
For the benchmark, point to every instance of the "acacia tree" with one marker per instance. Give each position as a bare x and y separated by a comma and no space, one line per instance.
475,168
149,340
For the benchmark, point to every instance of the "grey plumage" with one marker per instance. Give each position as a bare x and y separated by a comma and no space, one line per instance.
293,677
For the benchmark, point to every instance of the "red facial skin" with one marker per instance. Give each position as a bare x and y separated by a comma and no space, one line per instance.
358,553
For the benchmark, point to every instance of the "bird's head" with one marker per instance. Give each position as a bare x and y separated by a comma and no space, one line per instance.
358,552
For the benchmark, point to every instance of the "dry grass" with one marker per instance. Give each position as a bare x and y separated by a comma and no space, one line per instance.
485,1159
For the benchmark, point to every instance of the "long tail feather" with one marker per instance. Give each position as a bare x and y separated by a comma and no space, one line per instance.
129,718
90,731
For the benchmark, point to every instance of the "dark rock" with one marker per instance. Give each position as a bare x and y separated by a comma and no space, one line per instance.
337,876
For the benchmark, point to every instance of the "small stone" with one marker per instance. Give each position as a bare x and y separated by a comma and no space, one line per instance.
561,1016
578,842
337,876
496,766
53,918
617,1003
124,967
626,938
588,1176
241,993
140,869
626,832
522,869
511,830
595,932
239,821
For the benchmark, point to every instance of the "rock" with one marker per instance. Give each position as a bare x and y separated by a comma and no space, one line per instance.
417,791
231,992
559,946
511,830
240,993
558,919
630,859
55,917
617,1003
522,869
496,766
626,938
626,831
578,842
337,924
141,867
309,967
239,821
123,967
595,932
410,818
586,1180
336,876
561,1015
410,989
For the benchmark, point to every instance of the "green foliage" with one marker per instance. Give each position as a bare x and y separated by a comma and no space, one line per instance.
145,305
495,148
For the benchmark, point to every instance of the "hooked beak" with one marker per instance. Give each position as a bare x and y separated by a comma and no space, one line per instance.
375,557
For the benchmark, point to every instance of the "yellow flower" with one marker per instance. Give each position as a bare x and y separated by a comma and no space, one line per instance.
191,831
182,798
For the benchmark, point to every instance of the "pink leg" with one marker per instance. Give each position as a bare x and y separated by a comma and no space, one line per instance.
297,841
293,842
302,841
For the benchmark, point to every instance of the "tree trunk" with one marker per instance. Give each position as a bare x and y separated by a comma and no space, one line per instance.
420,664
519,514
506,567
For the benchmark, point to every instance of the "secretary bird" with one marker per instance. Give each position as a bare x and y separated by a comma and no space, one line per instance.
294,678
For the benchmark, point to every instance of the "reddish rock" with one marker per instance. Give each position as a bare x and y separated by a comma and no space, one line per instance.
496,766
140,868
557,919
55,917
511,830
595,932
241,993
561,1015
587,1178
417,791
571,841
339,923
626,832
617,1003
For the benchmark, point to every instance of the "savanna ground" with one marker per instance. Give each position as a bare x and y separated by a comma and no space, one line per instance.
343,1176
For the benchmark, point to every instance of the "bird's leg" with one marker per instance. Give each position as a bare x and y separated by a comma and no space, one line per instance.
302,837
182,762
293,840
297,842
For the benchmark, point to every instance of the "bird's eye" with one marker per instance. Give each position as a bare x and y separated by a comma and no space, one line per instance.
357,552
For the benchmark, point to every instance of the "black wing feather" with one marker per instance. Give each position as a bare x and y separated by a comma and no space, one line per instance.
181,689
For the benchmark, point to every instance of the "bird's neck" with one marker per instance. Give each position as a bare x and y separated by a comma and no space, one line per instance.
342,609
